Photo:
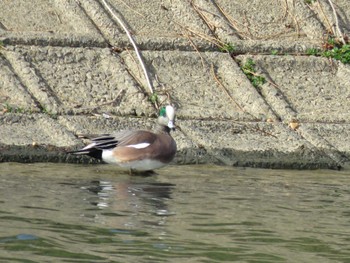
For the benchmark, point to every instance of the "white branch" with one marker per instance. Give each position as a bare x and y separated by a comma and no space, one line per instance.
337,23
133,44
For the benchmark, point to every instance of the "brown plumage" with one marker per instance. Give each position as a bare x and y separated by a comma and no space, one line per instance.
139,149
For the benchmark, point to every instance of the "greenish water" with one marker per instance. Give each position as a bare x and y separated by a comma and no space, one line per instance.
96,213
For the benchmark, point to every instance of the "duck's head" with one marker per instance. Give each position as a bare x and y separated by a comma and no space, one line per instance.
167,117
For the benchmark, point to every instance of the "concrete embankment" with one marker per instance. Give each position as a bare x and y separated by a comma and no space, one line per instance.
246,89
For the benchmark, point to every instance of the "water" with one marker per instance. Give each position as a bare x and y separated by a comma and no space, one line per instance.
96,213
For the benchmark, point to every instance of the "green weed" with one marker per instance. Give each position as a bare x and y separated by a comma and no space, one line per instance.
339,53
228,47
309,2
12,109
154,98
50,113
313,52
249,70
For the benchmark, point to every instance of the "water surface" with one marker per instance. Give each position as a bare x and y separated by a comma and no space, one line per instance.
97,213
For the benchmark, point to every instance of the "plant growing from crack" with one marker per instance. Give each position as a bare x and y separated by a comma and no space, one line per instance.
227,47
49,113
249,70
153,98
313,52
8,108
338,53
333,48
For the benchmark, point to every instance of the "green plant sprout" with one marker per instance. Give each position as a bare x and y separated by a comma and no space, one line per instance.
249,70
153,98
309,2
12,109
227,47
313,52
338,53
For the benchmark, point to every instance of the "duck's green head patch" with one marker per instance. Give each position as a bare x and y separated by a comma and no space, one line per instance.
162,112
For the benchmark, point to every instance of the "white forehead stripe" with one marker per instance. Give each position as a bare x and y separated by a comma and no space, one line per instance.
170,112
139,145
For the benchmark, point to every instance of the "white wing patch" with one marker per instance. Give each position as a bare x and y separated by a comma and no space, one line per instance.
139,145
91,145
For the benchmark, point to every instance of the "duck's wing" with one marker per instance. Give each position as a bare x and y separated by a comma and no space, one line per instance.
134,139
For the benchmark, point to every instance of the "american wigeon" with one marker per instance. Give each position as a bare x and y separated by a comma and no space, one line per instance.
138,150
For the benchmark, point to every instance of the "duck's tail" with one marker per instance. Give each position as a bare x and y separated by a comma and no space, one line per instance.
92,152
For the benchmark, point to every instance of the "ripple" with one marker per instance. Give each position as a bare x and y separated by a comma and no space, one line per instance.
65,213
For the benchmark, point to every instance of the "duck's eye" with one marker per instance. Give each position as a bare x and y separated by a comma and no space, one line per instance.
162,112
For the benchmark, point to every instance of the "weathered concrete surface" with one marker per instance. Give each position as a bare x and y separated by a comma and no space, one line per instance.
59,77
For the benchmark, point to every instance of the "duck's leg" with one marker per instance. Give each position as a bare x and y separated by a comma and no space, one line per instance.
142,173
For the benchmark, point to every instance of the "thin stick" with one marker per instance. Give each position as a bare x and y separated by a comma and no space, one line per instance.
132,9
224,88
285,9
330,27
195,47
204,18
234,23
150,86
120,93
337,22
213,40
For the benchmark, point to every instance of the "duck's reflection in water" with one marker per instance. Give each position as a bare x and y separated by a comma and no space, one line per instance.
131,202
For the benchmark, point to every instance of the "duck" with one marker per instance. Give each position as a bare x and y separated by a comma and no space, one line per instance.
137,150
